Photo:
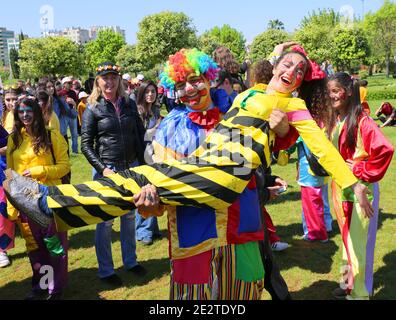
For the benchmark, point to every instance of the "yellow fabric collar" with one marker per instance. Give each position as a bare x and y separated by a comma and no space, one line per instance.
263,87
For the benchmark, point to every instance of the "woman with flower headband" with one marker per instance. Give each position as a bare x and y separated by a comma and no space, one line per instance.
112,140
216,173
203,249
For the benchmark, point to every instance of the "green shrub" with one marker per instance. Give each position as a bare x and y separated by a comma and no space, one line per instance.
382,93
363,74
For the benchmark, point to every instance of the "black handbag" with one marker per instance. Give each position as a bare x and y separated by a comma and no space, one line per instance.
314,164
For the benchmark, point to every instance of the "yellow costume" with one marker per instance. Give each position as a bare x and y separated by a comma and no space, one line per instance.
211,177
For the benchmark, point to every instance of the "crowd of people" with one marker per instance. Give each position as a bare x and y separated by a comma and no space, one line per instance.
206,164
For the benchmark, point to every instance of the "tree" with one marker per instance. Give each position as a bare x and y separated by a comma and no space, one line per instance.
321,17
265,42
163,34
224,36
316,33
381,28
350,49
104,48
14,57
276,24
22,37
129,60
50,56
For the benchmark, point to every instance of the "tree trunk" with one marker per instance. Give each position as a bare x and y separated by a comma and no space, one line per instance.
387,62
370,70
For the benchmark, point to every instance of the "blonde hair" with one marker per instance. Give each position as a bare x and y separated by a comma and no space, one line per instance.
93,99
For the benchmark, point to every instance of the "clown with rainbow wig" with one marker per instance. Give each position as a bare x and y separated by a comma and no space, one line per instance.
209,179
206,245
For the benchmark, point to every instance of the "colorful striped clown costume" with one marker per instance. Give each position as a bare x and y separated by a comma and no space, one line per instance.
372,156
211,177
214,254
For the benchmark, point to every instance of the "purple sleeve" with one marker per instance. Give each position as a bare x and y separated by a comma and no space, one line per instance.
3,137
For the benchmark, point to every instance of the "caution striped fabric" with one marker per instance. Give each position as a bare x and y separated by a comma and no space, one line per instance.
213,176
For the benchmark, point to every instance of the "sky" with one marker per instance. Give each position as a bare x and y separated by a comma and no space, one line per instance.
248,16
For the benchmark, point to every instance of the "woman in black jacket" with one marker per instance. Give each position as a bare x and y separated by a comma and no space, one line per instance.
112,139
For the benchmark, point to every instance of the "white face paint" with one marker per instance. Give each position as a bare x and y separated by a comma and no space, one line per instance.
181,93
289,73
194,92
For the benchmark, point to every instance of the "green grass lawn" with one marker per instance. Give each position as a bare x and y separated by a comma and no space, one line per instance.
311,270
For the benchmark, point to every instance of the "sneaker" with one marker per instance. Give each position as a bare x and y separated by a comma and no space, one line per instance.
138,271
113,280
279,246
24,194
147,241
4,260
339,293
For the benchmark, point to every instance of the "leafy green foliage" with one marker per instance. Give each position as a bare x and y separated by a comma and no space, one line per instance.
276,24
382,93
224,36
50,56
351,47
380,27
316,34
14,57
162,34
128,59
363,74
263,45
104,48
4,72
322,17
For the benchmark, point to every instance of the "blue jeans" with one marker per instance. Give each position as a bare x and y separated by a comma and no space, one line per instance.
146,228
103,239
326,208
72,124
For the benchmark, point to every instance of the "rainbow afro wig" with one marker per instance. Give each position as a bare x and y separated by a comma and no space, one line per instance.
185,62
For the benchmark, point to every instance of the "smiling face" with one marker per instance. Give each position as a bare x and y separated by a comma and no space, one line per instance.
10,101
25,114
339,97
195,92
50,88
108,84
289,73
150,94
